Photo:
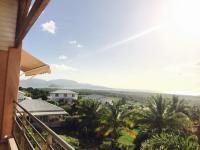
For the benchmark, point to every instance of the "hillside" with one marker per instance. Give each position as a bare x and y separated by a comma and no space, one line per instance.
87,89
59,83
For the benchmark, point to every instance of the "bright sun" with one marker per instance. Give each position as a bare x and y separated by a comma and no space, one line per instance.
186,15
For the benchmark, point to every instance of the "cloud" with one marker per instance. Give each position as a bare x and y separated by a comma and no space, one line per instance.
76,44
61,67
79,45
58,71
62,57
49,26
73,42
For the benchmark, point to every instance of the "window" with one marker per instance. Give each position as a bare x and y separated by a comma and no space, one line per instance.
65,95
56,95
44,118
73,95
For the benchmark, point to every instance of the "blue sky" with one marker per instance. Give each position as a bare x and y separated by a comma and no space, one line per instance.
131,44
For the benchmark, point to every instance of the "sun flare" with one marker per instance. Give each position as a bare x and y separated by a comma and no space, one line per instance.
186,15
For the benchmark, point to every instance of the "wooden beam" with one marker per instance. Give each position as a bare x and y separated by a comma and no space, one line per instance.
36,10
26,9
3,66
10,70
23,9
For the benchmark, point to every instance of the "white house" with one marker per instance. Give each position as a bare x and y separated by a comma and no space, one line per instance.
63,95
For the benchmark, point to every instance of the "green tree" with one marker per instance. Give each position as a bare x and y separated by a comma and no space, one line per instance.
88,110
194,114
162,113
170,141
113,120
177,106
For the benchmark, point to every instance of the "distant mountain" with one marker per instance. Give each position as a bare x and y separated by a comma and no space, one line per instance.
141,95
59,83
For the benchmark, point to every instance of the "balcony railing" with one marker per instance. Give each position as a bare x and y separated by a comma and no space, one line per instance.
32,134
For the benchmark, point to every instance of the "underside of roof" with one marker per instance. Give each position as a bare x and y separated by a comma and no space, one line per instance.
31,66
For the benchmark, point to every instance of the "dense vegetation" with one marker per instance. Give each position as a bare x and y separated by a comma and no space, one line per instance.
35,93
157,123
164,124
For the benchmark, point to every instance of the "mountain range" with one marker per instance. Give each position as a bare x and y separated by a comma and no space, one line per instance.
71,84
59,83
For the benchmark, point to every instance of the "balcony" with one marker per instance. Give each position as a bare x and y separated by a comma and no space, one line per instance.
32,134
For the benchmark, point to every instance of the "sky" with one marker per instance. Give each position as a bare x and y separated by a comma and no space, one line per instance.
128,44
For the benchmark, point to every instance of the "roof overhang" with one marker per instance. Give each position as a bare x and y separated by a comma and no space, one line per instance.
31,66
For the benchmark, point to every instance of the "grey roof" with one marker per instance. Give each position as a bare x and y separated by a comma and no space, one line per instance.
49,113
64,91
40,106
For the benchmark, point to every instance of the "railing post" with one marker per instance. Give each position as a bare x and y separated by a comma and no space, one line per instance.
49,141
23,131
14,117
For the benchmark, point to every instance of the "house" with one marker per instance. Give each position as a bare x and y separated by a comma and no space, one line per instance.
63,95
51,115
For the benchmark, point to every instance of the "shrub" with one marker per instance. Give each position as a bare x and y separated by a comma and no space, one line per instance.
170,141
72,141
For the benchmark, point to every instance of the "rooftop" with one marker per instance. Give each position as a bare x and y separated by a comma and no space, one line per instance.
40,107
63,91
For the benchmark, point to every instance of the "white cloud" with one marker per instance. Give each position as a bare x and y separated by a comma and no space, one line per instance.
79,45
62,57
76,44
49,26
73,42
58,71
61,67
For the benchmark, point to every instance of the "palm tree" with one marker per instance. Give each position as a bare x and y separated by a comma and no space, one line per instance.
170,141
195,114
88,112
178,106
161,113
195,117
113,119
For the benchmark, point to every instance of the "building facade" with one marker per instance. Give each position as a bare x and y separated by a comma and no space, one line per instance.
63,95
